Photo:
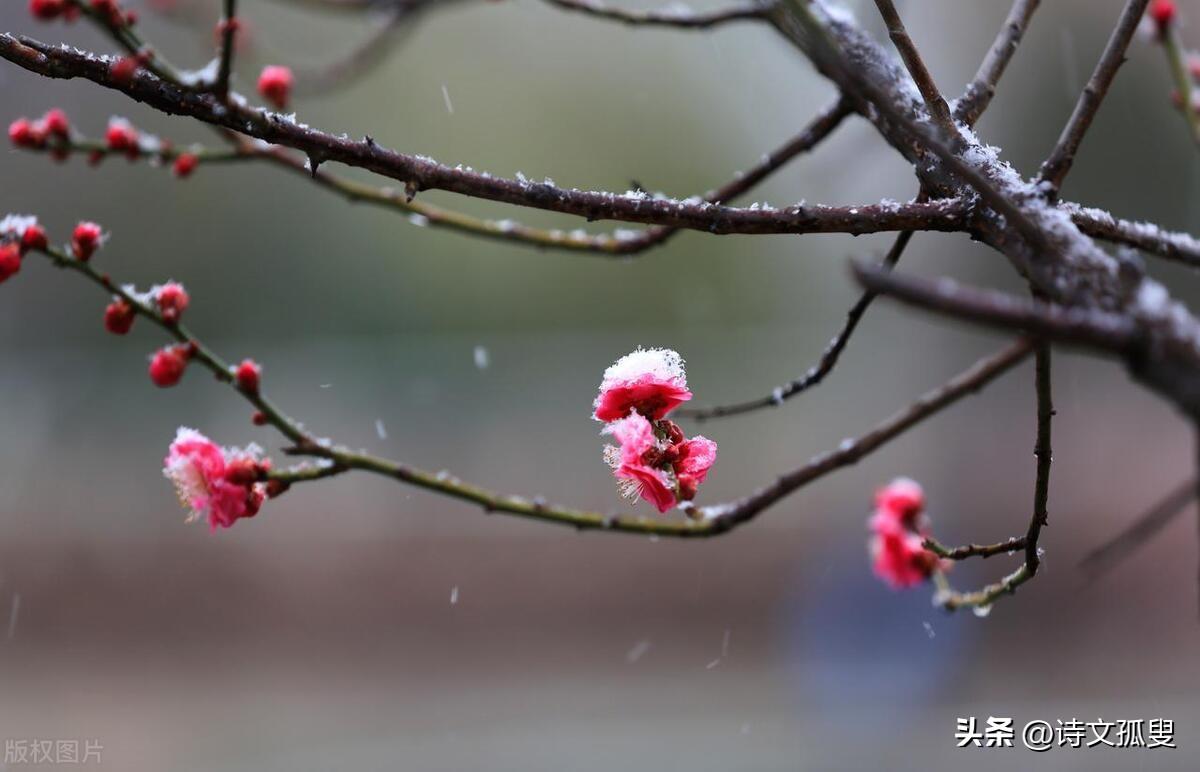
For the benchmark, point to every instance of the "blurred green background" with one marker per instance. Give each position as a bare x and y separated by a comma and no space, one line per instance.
322,635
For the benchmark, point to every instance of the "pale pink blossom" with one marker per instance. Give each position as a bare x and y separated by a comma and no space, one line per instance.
649,381
214,482
633,462
656,462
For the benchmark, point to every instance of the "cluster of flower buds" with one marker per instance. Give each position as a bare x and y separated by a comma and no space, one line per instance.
50,132
898,530
109,12
53,133
655,460
275,85
18,235
222,484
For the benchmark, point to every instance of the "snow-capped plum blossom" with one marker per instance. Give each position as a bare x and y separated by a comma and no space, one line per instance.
650,381
653,459
223,485
655,462
898,531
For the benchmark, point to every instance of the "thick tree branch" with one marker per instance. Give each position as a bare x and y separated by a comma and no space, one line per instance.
421,173
1110,333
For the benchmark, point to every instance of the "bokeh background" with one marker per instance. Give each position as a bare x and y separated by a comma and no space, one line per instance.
322,634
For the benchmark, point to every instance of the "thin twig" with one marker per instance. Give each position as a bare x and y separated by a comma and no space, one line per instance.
1058,164
934,101
229,25
680,17
1042,450
982,87
974,550
824,365
1177,63
1105,557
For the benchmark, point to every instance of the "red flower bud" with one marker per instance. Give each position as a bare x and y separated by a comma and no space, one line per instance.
1164,14
242,471
22,133
47,10
122,137
118,317
167,366
259,418
86,238
185,164
56,124
34,237
124,69
172,301
248,374
10,261
275,85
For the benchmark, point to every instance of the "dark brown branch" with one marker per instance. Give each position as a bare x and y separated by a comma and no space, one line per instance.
852,450
934,101
1044,454
1180,247
1058,164
667,17
1098,330
816,373
982,87
421,173
228,30
975,550
1105,557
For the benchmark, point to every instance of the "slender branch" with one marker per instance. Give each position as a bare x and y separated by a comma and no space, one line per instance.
851,451
982,599
1105,557
228,29
825,364
974,550
934,101
364,57
702,522
1095,329
421,173
1177,63
1044,454
982,87
1180,247
679,17
1058,164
